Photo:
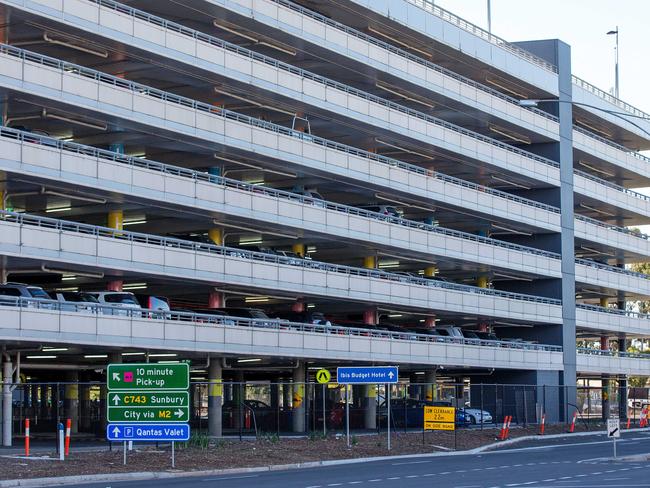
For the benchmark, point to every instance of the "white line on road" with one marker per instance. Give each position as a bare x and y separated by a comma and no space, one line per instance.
231,478
411,462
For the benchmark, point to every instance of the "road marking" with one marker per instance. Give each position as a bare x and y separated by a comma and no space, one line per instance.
413,476
375,480
394,478
354,482
335,484
231,478
411,462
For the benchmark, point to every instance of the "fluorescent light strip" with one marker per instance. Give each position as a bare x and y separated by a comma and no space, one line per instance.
510,135
399,93
508,182
57,209
593,168
403,149
163,355
95,356
251,360
40,357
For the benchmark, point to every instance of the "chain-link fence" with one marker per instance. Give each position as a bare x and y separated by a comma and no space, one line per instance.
266,408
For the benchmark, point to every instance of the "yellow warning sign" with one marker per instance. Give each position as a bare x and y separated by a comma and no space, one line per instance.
439,426
439,418
323,376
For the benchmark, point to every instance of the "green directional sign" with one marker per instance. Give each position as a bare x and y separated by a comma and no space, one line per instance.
149,399
148,414
148,376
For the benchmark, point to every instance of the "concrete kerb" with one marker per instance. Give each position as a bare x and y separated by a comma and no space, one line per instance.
150,475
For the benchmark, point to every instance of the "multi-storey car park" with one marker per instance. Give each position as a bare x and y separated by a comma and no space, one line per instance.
372,161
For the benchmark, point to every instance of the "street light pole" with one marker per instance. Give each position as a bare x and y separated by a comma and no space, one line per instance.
489,15
531,103
616,90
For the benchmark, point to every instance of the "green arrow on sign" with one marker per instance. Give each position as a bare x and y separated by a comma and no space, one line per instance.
148,414
148,376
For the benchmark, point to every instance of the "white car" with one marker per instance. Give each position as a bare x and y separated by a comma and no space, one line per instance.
478,416
122,302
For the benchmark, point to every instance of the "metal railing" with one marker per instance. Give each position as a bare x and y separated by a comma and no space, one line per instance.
608,97
613,144
610,353
615,311
611,269
262,190
609,184
429,6
207,319
181,29
615,228
173,243
165,168
407,55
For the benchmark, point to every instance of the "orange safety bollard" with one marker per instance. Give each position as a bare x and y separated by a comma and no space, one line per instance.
627,426
573,422
542,425
26,437
68,425
508,426
502,434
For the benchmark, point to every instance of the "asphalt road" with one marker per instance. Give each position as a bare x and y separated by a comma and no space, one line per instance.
569,462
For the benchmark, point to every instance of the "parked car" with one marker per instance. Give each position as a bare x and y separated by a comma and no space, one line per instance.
312,197
217,314
9,291
122,302
477,416
384,210
254,414
76,301
259,315
487,336
409,412
153,302
306,317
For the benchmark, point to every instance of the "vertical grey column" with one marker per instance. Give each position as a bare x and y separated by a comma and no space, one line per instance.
370,406
215,396
298,400
71,397
7,373
622,383
559,54
430,379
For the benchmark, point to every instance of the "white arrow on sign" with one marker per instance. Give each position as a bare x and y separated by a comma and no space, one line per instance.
178,413
116,431
390,375
116,377
116,399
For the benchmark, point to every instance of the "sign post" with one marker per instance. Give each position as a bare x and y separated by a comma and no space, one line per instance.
367,375
613,430
323,376
148,402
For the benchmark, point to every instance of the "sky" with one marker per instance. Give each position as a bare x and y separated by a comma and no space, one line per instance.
582,24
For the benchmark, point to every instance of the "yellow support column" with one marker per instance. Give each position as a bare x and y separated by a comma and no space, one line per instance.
370,262
299,249
482,281
603,302
430,271
370,412
216,236
116,219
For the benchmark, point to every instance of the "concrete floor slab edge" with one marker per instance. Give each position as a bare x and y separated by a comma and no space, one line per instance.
150,475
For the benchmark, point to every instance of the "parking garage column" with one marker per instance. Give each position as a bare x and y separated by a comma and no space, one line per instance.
71,396
370,407
605,383
85,421
298,400
216,236
7,373
430,378
115,220
370,314
216,299
215,397
430,272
